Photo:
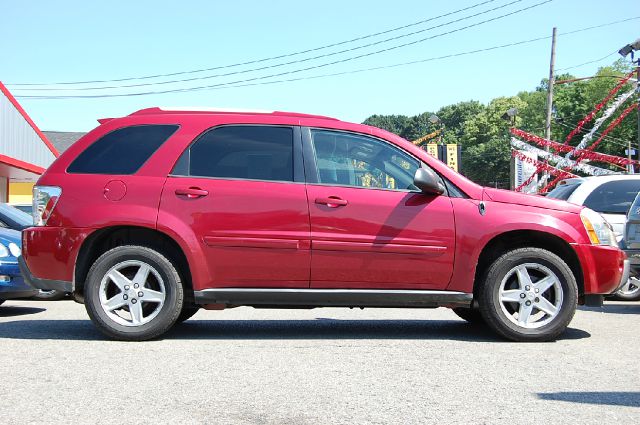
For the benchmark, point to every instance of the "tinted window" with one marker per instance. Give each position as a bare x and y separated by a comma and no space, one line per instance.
122,151
613,197
563,192
352,160
242,152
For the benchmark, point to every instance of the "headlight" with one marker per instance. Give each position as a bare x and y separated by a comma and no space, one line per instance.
4,252
15,250
599,230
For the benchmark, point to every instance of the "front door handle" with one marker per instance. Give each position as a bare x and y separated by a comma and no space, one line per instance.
332,201
192,192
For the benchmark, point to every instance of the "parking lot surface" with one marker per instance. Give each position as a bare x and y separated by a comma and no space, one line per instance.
318,366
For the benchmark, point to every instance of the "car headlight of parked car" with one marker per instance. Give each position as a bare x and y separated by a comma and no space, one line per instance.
15,250
4,251
10,250
599,230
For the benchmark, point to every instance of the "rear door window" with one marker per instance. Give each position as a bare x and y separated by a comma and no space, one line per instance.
251,152
613,197
123,151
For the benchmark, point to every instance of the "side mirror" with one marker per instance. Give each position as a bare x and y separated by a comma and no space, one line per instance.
428,182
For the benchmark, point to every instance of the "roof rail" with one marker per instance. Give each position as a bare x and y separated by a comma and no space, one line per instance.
209,110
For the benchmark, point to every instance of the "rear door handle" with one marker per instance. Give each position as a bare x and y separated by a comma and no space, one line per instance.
192,192
332,201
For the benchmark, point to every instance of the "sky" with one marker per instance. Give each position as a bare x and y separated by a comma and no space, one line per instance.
76,41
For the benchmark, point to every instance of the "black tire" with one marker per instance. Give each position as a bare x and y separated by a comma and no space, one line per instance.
471,315
502,321
164,317
187,312
52,295
2,301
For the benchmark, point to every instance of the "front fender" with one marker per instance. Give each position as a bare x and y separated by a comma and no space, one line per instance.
475,230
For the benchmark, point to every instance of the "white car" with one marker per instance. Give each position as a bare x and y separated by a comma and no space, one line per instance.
611,196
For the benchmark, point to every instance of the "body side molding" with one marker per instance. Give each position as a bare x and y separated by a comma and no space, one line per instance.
333,297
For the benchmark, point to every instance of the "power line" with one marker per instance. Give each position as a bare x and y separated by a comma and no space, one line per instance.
232,85
587,63
286,72
286,55
278,65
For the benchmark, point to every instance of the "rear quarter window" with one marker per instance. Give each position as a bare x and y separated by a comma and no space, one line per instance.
123,151
613,197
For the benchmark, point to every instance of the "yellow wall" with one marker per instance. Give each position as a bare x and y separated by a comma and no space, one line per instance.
20,193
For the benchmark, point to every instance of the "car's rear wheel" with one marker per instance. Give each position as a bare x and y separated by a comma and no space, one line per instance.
528,294
133,293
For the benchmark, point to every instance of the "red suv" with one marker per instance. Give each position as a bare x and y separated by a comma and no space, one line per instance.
152,216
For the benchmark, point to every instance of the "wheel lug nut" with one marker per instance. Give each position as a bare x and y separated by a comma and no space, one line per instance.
537,290
125,296
528,303
523,295
527,287
133,301
126,287
140,294
135,285
537,300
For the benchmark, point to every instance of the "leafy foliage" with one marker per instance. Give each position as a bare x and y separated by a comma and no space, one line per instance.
483,133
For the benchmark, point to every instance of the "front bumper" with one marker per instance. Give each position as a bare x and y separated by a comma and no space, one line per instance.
603,268
46,284
13,286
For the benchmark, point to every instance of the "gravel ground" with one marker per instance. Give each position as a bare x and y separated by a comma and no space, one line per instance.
320,366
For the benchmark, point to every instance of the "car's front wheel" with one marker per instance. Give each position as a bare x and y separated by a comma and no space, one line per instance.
133,293
528,294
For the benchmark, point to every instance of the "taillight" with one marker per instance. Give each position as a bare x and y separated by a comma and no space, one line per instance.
45,199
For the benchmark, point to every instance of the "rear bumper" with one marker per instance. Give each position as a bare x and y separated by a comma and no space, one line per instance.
604,268
50,254
46,284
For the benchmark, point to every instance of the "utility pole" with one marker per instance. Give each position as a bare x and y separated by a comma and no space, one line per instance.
631,49
638,101
547,125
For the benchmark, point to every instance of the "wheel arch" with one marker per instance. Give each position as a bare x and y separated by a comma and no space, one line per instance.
508,241
104,239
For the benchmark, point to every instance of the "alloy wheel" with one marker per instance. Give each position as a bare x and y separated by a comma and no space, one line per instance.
132,293
530,295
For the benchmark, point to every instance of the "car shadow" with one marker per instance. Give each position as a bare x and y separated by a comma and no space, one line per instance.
10,311
609,398
318,329
631,308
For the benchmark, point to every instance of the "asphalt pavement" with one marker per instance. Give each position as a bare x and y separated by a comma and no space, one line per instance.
322,366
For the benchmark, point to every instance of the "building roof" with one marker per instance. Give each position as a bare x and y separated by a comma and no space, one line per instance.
24,150
63,139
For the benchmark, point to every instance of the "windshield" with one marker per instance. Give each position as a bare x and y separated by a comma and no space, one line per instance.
13,214
563,192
